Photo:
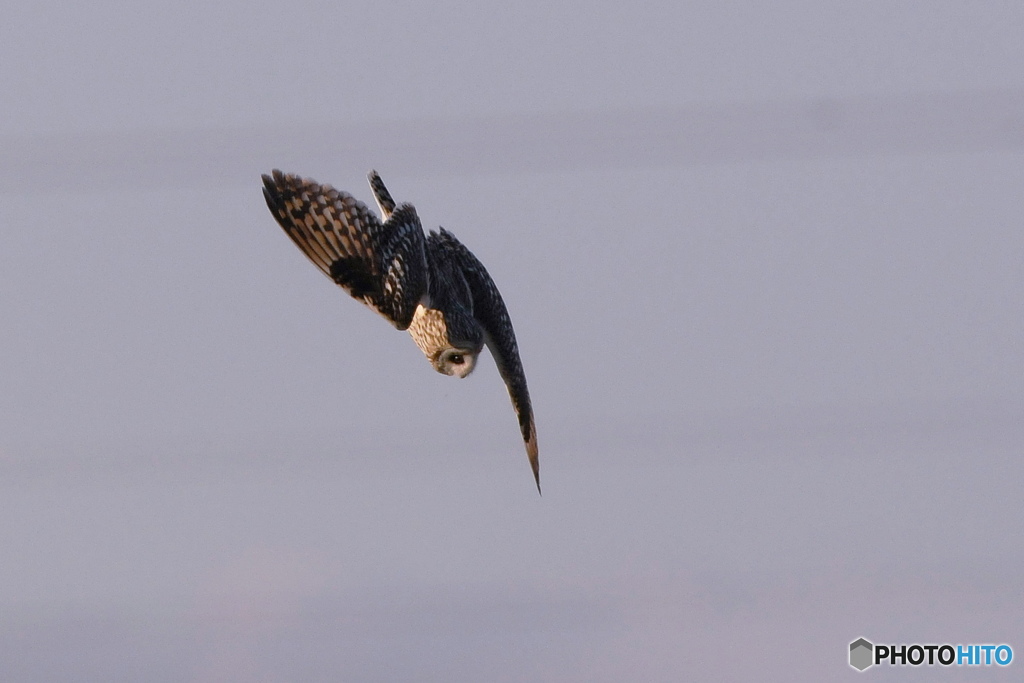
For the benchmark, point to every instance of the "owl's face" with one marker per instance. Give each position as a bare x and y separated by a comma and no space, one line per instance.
451,342
456,362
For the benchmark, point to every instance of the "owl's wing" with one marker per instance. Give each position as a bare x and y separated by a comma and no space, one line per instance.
380,193
489,310
382,265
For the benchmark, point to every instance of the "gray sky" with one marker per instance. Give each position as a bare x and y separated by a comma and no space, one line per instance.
764,264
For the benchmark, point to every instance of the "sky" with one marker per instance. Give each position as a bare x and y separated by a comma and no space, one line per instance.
763,262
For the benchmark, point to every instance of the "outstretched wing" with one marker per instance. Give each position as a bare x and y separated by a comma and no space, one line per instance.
489,310
382,265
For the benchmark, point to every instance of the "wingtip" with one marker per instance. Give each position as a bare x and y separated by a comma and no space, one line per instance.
275,180
534,463
268,181
531,453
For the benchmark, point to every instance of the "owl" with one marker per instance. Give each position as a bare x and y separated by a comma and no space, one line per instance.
430,285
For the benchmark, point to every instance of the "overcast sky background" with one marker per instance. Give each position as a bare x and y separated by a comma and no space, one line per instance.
764,261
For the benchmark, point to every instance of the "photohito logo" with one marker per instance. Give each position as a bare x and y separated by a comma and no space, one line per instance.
863,654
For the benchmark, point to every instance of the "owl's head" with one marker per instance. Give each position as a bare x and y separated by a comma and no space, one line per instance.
456,362
451,340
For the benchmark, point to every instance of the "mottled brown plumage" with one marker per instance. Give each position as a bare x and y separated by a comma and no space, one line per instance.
433,286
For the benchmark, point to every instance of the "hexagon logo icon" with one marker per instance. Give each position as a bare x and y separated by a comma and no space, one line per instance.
861,652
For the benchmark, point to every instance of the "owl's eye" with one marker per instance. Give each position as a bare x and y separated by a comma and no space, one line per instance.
456,358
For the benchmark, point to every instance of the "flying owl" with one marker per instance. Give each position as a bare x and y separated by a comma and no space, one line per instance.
431,285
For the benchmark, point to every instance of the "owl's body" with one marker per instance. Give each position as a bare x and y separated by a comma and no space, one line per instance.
432,285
